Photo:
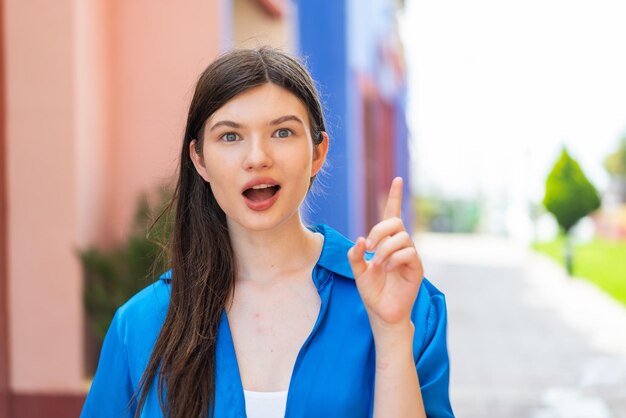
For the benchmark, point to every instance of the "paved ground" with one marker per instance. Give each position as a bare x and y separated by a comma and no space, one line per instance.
525,340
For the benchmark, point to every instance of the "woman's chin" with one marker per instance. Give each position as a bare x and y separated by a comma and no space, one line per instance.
263,222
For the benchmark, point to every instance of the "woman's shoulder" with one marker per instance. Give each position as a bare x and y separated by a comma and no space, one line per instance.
429,316
430,292
148,306
126,350
430,305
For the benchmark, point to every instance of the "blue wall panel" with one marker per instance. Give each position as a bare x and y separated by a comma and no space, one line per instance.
402,159
322,36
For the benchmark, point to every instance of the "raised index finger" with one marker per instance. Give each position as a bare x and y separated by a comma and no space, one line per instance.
393,209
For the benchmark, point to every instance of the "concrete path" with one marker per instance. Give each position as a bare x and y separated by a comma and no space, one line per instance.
525,340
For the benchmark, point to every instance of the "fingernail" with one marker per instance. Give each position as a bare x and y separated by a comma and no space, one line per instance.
368,243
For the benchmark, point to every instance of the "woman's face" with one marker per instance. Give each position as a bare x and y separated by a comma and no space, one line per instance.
258,156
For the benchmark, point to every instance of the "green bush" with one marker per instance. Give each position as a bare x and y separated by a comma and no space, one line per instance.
112,276
615,163
447,215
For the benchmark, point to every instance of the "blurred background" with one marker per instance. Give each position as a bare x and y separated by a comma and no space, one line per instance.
507,120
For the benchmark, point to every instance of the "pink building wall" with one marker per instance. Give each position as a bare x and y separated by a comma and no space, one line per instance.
45,315
96,94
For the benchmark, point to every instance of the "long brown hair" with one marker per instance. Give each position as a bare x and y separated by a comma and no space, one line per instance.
203,265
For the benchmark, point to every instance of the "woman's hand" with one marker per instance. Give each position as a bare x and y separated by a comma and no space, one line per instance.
388,283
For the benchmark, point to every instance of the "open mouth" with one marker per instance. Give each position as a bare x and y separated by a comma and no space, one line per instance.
261,192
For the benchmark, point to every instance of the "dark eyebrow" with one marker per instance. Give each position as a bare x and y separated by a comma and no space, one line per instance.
235,125
285,119
228,123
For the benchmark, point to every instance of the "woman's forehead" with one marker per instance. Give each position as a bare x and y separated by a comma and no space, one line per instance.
260,105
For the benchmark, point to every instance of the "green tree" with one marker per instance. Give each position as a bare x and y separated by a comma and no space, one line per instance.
569,196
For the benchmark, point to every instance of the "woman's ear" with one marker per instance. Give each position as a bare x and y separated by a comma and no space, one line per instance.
198,161
319,154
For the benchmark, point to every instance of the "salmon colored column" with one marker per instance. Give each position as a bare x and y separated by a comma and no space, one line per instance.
4,351
93,92
159,50
45,312
96,94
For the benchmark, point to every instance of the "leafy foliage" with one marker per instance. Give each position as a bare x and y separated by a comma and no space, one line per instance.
615,163
112,276
569,195
447,215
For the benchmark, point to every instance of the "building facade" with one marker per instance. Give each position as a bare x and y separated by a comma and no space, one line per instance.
353,50
94,95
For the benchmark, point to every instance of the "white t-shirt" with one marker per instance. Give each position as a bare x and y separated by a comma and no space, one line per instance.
265,404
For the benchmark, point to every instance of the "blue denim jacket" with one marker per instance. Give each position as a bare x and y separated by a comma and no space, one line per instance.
333,375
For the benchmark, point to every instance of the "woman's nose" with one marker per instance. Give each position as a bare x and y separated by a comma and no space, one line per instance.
258,155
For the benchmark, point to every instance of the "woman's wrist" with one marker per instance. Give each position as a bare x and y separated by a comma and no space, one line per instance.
393,340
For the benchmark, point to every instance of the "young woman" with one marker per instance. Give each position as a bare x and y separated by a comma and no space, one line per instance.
260,315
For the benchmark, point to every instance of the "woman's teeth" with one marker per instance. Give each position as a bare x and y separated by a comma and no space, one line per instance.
261,192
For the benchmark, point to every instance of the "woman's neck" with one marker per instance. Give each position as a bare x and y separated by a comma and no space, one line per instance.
265,256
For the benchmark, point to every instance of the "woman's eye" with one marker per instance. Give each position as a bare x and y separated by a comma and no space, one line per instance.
283,133
230,137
